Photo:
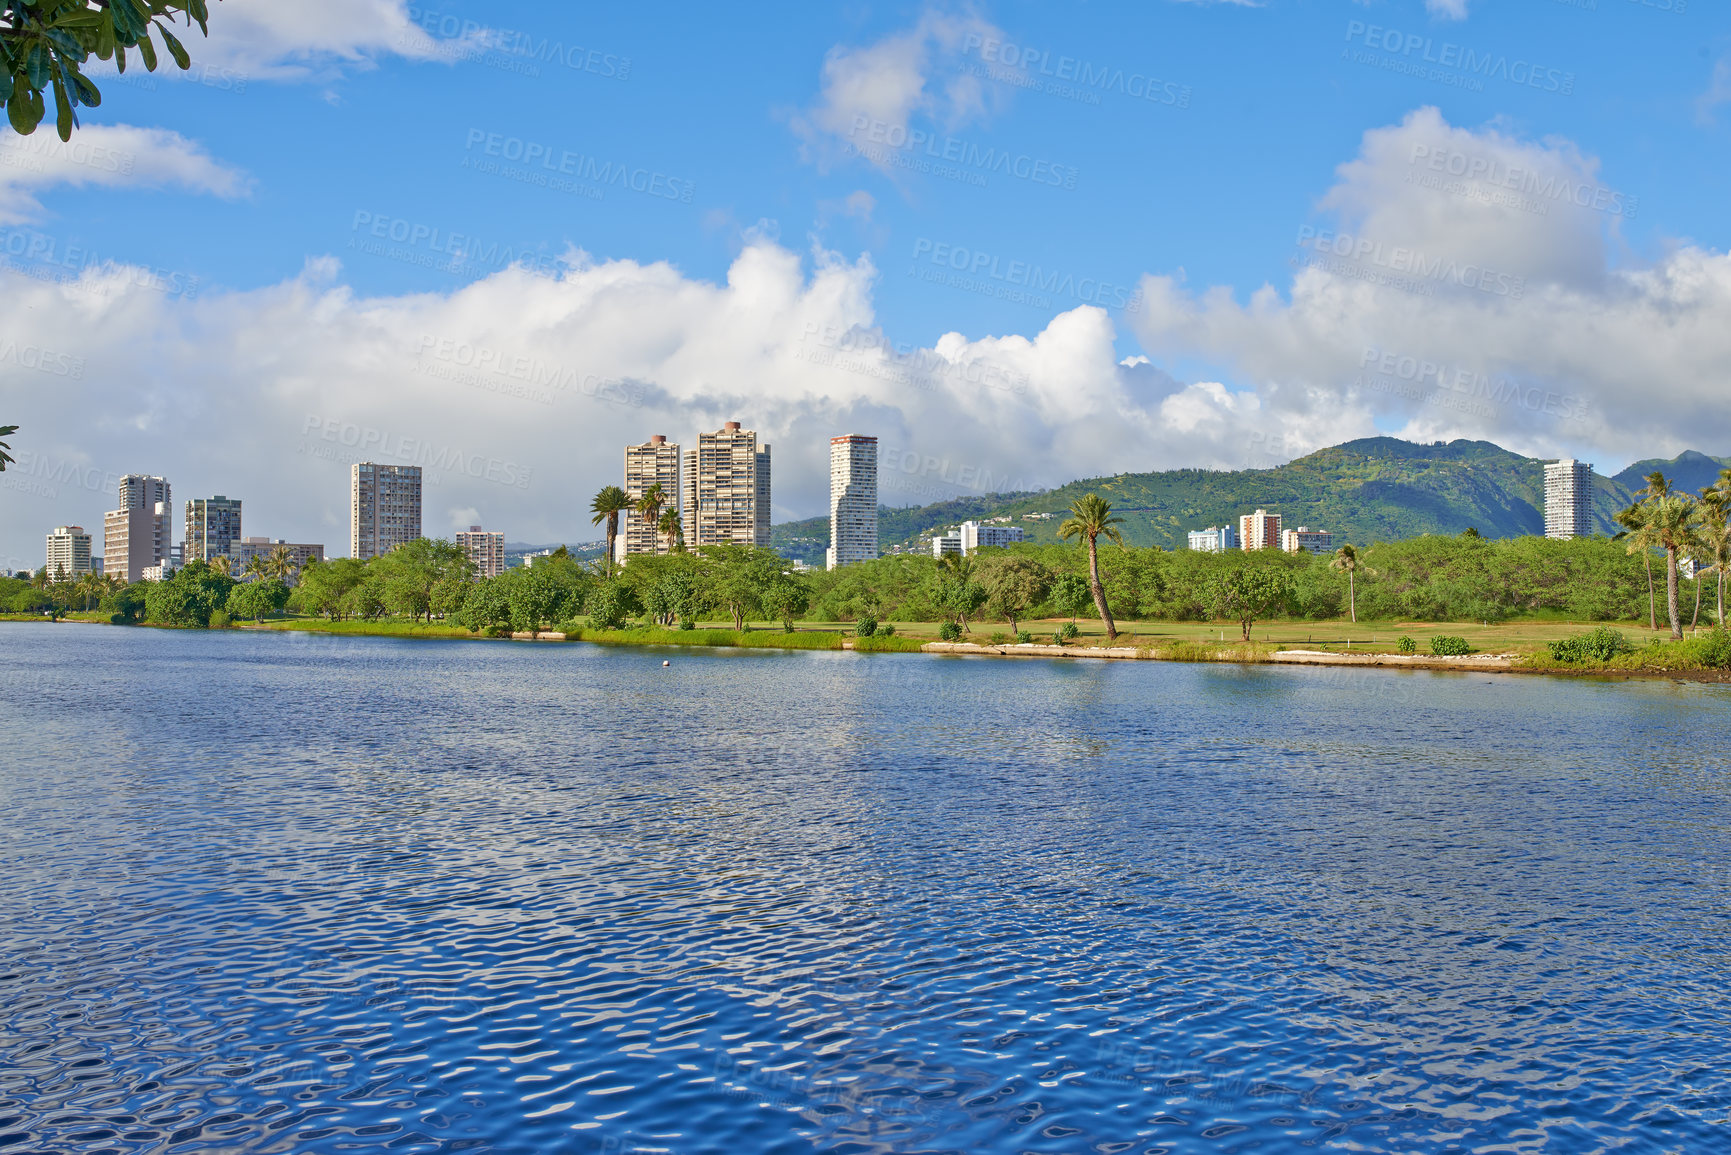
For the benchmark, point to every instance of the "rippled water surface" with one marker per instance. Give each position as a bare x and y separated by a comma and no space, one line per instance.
277,893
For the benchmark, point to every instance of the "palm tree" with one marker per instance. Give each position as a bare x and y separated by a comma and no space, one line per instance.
256,567
1633,520
1715,536
649,506
1668,522
1346,561
673,529
5,457
220,564
1090,518
607,506
280,564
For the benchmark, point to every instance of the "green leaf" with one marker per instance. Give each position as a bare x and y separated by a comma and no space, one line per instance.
147,50
21,110
36,65
175,50
88,94
63,118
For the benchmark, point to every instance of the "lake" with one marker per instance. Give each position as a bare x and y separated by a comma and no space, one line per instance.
270,892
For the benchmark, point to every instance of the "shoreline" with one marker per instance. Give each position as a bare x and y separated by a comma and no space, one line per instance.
1227,654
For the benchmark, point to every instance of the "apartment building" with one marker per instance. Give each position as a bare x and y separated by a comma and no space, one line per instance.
212,528
853,500
947,543
1568,499
68,551
139,534
384,508
241,552
1259,530
485,551
727,488
1306,540
655,462
1214,539
976,535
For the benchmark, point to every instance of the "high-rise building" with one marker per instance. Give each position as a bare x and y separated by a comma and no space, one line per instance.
947,543
976,534
1259,530
853,500
212,526
139,535
247,548
1568,499
727,488
1307,540
1214,539
655,462
68,551
384,508
486,551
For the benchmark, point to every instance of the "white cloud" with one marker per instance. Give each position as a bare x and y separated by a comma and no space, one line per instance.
268,39
109,156
1447,9
1482,254
268,395
891,83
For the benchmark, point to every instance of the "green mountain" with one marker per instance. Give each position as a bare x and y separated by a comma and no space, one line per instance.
1374,489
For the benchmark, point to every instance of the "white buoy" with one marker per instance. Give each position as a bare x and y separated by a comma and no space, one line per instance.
667,663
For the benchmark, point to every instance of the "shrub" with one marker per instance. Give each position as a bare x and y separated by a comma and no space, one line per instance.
1600,645
1024,637
886,631
1448,646
1715,648
885,644
999,637
220,620
949,632
866,628
687,624
1057,637
1406,645
1070,631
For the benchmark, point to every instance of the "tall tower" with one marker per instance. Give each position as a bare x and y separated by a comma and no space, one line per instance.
655,462
727,488
139,535
485,551
384,508
68,551
1568,499
853,499
212,526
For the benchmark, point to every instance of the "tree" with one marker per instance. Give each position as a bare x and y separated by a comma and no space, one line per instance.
607,506
221,564
1633,520
190,597
409,573
1346,561
609,604
1249,593
259,599
1091,518
1715,535
46,43
649,506
955,591
673,529
735,578
125,603
5,457
281,565
1069,595
325,585
1014,585
255,568
485,608
1667,522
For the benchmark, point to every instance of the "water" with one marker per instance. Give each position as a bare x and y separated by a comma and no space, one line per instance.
268,893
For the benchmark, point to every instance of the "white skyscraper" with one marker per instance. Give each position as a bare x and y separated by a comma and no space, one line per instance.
853,500
68,551
1568,499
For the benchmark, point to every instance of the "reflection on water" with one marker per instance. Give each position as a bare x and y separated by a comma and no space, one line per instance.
272,893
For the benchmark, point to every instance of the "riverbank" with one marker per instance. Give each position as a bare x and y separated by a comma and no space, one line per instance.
1509,647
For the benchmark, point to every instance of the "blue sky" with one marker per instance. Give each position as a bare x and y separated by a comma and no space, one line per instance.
1300,150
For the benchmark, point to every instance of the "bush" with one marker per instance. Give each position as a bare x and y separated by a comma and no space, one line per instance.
1024,637
1715,648
883,643
1406,645
687,624
866,628
1600,645
949,632
1057,637
220,620
1448,646
999,637
886,631
1070,631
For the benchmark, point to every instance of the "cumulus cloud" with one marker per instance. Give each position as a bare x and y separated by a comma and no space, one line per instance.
517,393
1468,283
1447,9
890,84
111,156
